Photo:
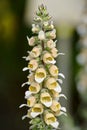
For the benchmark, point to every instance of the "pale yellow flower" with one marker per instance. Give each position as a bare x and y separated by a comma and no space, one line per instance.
55,106
34,87
31,101
41,35
46,99
54,52
50,119
36,110
48,59
36,51
31,41
51,44
53,70
33,64
40,75
52,84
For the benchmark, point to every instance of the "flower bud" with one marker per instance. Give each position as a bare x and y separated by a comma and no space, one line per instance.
35,28
41,35
53,34
31,41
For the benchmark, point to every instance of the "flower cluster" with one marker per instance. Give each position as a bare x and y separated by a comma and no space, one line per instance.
44,79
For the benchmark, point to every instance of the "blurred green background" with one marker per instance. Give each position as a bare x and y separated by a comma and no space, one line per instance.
13,45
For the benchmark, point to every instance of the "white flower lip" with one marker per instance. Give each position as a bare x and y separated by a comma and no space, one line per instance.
34,114
57,88
46,99
39,80
27,94
47,104
63,109
55,124
52,62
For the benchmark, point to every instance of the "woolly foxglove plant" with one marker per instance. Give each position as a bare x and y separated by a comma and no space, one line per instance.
44,79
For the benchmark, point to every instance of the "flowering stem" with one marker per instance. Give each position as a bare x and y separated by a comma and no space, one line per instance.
44,90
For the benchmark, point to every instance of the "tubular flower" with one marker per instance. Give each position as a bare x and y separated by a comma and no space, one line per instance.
51,84
48,59
55,106
33,64
53,70
31,101
46,99
36,110
40,75
50,119
34,87
51,44
36,51
54,52
44,79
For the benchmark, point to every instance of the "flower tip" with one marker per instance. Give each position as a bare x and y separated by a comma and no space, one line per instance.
24,69
62,75
24,117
